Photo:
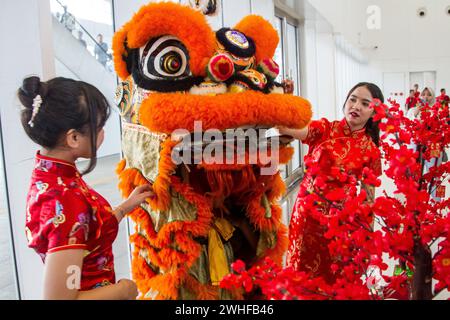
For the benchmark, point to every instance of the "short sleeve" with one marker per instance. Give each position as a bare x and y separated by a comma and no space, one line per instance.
317,129
66,222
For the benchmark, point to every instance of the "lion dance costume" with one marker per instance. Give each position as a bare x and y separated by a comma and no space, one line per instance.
176,70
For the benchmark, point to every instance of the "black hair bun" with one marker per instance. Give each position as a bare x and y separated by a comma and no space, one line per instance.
31,87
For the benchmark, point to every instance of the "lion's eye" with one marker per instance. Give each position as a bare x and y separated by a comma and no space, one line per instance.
171,63
255,80
165,58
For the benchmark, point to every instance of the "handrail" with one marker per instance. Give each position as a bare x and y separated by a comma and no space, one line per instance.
83,28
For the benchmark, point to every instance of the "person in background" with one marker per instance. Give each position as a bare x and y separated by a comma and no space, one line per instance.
443,99
416,91
427,97
80,38
101,50
438,157
411,101
288,86
68,20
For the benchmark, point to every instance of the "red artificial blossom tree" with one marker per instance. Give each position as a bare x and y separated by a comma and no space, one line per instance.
408,225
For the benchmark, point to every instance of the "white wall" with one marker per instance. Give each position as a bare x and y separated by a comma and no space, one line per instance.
326,74
330,67
308,58
406,43
416,44
263,8
229,13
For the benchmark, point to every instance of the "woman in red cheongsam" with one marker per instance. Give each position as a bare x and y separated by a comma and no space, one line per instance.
335,144
68,224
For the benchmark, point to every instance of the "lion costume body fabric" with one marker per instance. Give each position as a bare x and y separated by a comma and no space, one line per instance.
175,71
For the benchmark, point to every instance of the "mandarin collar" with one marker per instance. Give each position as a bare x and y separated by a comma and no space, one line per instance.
348,132
55,166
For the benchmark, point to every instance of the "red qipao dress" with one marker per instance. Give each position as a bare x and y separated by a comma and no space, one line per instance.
64,213
331,144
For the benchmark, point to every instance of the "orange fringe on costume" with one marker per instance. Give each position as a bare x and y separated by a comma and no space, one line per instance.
167,284
285,154
263,34
228,111
142,273
282,243
158,245
158,19
204,292
277,189
172,261
257,215
225,183
260,157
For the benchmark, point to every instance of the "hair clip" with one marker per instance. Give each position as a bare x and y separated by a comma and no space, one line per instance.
37,102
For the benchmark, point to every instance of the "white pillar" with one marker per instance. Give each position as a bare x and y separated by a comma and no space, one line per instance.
326,98
26,33
308,58
264,8
125,9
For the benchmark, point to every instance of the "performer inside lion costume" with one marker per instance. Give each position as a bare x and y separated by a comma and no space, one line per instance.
205,214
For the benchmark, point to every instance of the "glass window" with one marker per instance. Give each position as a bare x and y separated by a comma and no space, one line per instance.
293,70
292,39
285,212
279,56
287,57
285,219
296,160
8,285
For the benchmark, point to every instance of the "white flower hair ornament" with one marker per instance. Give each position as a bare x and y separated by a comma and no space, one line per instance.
37,102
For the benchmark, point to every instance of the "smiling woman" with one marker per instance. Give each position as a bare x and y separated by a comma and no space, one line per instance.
348,145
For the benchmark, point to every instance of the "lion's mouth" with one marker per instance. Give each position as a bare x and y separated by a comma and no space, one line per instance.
233,194
207,87
235,189
243,140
